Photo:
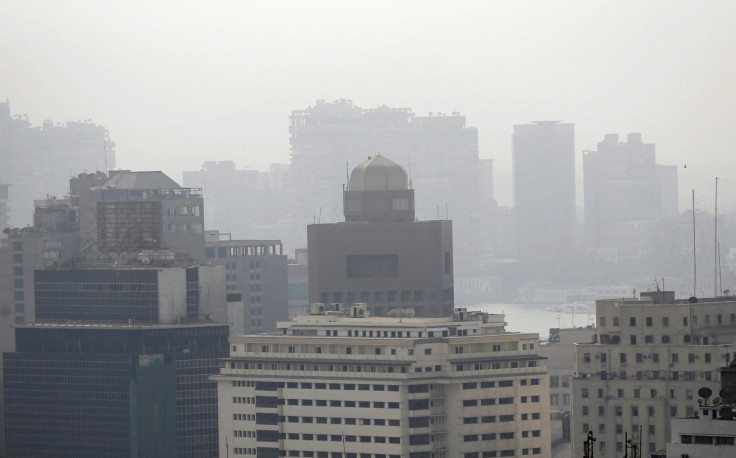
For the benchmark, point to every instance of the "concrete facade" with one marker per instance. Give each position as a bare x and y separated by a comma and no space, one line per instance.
649,358
337,386
559,349
380,256
258,270
419,275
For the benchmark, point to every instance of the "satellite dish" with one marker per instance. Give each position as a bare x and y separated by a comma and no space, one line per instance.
700,402
716,401
705,392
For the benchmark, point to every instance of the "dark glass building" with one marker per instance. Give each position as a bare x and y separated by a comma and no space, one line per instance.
113,390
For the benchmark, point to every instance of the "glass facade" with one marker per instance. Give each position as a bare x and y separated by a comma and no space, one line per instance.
115,295
107,390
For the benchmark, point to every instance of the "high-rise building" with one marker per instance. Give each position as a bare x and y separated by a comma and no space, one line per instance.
544,191
92,317
4,191
333,386
43,157
113,390
258,269
626,193
380,255
648,359
144,211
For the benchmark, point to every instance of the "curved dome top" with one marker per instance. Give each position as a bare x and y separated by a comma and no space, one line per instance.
379,174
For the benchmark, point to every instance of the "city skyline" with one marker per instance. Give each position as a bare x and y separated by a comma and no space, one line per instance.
180,85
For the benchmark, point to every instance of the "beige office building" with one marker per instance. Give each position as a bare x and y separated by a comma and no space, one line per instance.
648,360
337,384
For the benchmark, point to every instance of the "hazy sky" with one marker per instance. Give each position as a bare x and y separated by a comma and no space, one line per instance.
177,83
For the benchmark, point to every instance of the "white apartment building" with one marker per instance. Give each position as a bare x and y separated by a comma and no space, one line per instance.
648,360
338,386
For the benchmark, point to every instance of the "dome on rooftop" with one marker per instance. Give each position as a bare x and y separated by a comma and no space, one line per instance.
379,174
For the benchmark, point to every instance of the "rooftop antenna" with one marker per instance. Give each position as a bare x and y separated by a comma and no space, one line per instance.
715,245
104,147
695,264
347,173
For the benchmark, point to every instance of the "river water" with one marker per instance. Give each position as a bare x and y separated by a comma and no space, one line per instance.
539,318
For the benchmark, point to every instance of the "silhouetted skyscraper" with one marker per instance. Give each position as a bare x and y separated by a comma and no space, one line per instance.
626,192
544,190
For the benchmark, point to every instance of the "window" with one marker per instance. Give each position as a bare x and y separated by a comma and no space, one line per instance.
632,340
632,321
584,393
603,321
649,321
615,321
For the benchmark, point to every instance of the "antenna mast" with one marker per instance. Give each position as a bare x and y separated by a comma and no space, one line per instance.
715,246
695,263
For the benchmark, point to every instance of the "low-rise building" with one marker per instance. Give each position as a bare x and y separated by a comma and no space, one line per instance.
347,385
559,349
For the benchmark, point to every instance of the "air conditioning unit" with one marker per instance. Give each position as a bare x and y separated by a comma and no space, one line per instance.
335,306
317,308
359,310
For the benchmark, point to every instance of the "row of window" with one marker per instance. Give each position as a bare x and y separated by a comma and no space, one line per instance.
620,428
494,365
313,454
637,393
706,440
494,453
341,438
337,403
620,446
273,386
488,436
640,357
501,383
649,321
317,420
377,296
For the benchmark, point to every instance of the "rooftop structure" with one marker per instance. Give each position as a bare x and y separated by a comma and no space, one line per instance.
711,431
380,256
